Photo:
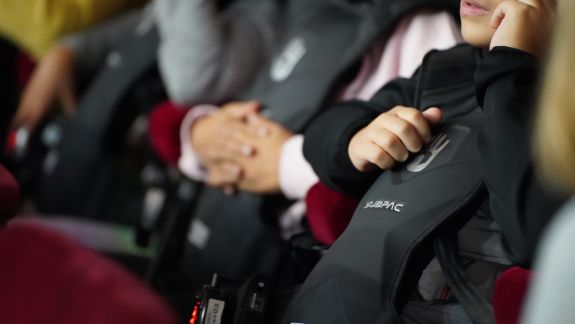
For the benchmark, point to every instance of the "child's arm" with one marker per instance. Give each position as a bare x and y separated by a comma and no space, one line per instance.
327,140
506,83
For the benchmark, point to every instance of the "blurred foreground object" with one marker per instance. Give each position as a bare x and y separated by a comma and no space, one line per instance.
35,25
47,278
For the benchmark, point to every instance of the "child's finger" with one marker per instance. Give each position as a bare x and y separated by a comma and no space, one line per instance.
547,5
259,125
390,143
229,190
533,3
219,151
499,14
407,133
505,9
228,150
433,115
241,110
418,120
223,175
377,156
239,132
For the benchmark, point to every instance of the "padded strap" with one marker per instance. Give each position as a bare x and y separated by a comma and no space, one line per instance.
478,309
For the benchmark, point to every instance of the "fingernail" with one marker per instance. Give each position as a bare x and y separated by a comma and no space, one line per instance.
247,150
236,171
263,132
230,191
252,119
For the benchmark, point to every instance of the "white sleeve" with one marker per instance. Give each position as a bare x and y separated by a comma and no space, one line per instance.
189,164
403,52
296,174
418,41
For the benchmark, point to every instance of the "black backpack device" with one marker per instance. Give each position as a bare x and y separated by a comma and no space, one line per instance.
410,215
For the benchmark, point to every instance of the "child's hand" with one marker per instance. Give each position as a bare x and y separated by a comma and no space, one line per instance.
224,135
261,171
523,24
391,137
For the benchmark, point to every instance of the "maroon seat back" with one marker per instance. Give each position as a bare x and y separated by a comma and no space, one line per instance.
45,278
328,212
164,130
509,295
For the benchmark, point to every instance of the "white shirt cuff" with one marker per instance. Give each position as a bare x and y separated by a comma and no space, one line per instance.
296,174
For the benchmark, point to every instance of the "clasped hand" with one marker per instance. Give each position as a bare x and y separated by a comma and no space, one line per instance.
239,148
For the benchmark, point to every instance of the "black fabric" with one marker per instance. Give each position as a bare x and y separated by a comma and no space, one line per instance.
506,88
370,271
8,86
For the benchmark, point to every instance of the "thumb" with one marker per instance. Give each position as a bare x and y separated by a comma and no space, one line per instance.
433,115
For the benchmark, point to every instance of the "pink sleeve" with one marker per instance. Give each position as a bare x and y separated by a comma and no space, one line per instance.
418,41
189,164
404,50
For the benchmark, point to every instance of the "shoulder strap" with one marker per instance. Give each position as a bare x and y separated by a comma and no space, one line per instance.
463,60
457,66
478,309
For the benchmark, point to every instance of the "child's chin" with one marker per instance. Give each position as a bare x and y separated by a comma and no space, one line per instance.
476,34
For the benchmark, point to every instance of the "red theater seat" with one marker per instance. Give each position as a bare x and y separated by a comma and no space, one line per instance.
509,295
164,124
45,278
328,212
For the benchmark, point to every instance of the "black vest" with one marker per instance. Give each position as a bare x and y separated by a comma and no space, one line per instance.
370,271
